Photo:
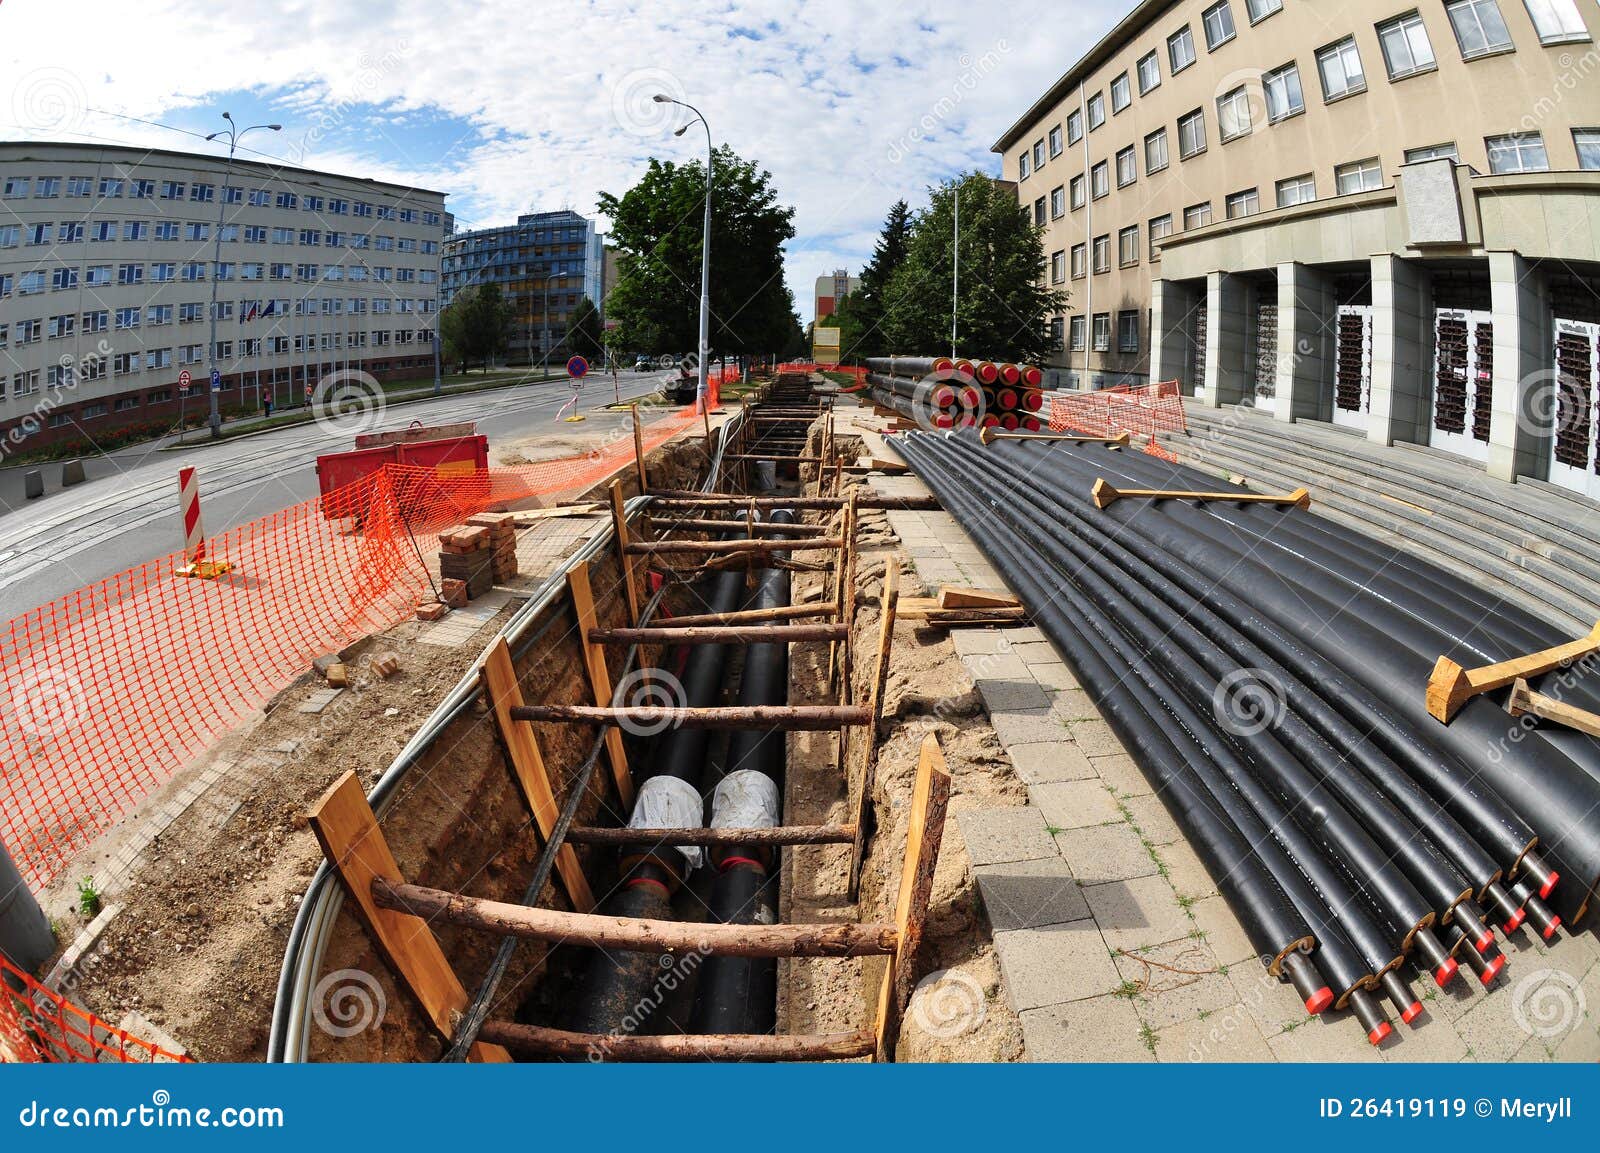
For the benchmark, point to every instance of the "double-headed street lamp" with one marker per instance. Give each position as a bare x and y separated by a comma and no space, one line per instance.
701,389
234,134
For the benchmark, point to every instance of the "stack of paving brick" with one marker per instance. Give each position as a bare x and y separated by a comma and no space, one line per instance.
502,528
465,555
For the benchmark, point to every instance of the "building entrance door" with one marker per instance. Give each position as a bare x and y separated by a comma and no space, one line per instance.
1463,375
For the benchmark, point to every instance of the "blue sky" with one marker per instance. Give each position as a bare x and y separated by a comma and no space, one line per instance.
515,107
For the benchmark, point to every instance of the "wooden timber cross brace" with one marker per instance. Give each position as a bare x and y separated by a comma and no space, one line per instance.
1524,700
1104,494
1450,685
399,918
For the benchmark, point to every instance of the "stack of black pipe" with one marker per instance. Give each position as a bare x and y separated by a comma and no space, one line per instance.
934,392
1267,668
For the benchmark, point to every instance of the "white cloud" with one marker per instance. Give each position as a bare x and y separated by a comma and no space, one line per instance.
850,106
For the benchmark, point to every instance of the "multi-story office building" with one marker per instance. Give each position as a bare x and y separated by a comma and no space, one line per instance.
545,264
108,261
1371,213
830,290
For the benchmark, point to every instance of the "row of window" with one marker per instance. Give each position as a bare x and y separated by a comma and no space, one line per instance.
196,231
1479,27
66,325
1127,321
66,278
199,192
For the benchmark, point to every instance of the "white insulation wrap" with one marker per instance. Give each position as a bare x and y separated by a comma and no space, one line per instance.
745,799
670,803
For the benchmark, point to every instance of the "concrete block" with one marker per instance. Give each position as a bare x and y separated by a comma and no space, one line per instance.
996,836
72,473
1030,894
1119,771
1102,853
1136,913
1028,727
1222,930
33,484
1096,738
1016,695
1272,1004
1074,804
1097,1029
1226,1035
1167,997
1051,761
1053,965
1153,820
1333,1038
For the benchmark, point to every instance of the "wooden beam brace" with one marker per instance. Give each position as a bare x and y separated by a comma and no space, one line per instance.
657,547
749,527
594,659
1450,686
637,934
722,838
1525,700
887,607
536,1039
678,498
777,459
1104,495
717,635
638,450
788,718
354,846
955,597
747,616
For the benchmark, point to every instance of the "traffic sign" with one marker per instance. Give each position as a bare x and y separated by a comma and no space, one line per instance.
577,368
184,379
216,380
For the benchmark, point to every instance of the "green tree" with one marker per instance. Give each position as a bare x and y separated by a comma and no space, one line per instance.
657,228
861,314
586,332
475,325
1004,307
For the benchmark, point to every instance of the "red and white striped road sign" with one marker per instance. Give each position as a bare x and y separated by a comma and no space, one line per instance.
194,537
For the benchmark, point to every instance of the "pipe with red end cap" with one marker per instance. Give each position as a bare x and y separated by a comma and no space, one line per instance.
990,420
987,372
1005,398
969,397
1031,423
1009,422
943,396
1486,966
1472,920
1033,400
1010,373
1535,869
1437,957
1507,913
1544,922
1400,994
1365,1006
1031,376
1308,983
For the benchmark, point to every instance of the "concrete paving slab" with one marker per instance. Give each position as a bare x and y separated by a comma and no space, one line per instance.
1028,727
1030,894
1222,930
1229,1034
1119,771
1334,1039
1052,965
1096,738
1014,694
1142,911
1153,821
1096,1029
1040,764
1074,804
1101,853
1176,982
996,836
1186,872
1429,1039
1272,1004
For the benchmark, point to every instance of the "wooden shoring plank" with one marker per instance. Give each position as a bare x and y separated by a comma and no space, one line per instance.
1450,686
780,458
537,1039
789,718
1524,700
747,525
354,846
594,660
638,451
956,597
774,835
657,547
930,801
640,934
1104,494
625,561
719,634
888,604
527,764
745,616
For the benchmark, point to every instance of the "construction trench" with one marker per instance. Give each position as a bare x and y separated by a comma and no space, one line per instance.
1322,715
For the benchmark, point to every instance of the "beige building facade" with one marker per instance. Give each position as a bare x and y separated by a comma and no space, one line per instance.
1366,213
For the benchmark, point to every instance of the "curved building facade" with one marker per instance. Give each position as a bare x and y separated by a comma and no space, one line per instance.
1366,213
109,257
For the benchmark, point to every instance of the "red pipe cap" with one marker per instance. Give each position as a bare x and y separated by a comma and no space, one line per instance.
943,420
943,364
1412,1013
1032,376
1515,923
1005,398
1033,401
1484,943
990,420
1008,422
1319,1000
971,397
1381,1033
1031,423
988,372
1555,923
1493,970
1446,972
1549,884
944,396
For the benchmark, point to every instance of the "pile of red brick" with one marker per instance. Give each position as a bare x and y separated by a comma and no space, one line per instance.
465,556
502,527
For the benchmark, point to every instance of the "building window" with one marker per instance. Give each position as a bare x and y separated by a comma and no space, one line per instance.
1080,261
1075,330
1284,96
1218,21
1038,155
1102,332
1121,94
1517,152
1155,151
1406,48
1197,216
1245,203
1099,180
1233,114
1180,50
1358,176
1192,134
1556,21
1097,110
1058,267
1297,190
1076,184
1055,334
1127,167
1587,142
1074,127
1149,72
1160,229
1128,330
1260,9
1128,246
1432,152
1038,218
1022,165
1058,202
1339,65
1479,27
1102,253
1055,142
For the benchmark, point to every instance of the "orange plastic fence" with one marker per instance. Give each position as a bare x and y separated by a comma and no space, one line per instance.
1144,411
856,371
112,689
38,1025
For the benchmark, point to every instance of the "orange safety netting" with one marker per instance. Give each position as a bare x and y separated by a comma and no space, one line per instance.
39,1025
1144,411
110,690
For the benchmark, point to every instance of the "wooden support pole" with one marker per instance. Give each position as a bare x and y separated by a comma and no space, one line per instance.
719,634
679,498
527,765
748,525
1524,700
956,597
638,451
930,801
354,846
747,616
927,609
888,605
638,1047
653,547
630,575
638,934
594,660
1450,686
839,667
776,835
991,434
789,718
1104,495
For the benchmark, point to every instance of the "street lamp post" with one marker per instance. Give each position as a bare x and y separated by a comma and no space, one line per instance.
234,134
701,390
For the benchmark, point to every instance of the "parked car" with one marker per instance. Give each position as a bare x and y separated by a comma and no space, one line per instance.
642,364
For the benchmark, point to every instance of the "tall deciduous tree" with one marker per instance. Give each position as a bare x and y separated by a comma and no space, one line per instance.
861,314
657,226
475,325
1004,306
586,332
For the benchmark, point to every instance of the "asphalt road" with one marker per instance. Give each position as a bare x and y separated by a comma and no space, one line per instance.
127,512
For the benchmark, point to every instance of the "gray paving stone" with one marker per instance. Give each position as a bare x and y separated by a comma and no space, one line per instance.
1031,727
1012,695
1186,872
1223,931
1096,738
1428,1039
1151,817
1490,1027
1581,1044
1030,894
1001,666
1102,853
1074,804
1096,1029
1120,772
1055,964
968,642
319,700
1075,705
1054,676
1028,634
1230,1034
1335,1038
1272,1004
1167,997
1052,761
1036,652
1136,913
995,836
